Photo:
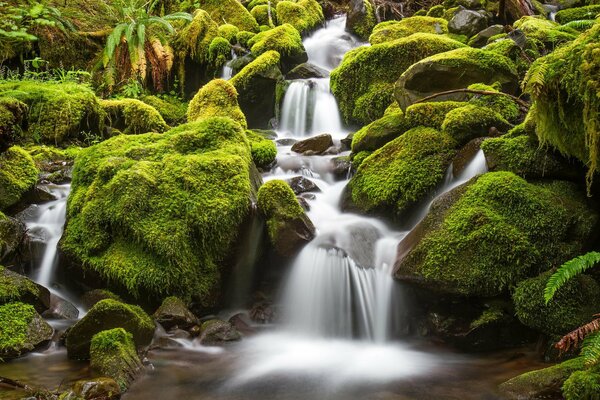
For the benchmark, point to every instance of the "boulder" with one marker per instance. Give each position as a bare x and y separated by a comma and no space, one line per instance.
304,15
381,131
93,389
12,234
300,184
173,313
393,30
133,117
105,315
307,71
216,331
315,145
471,121
482,37
12,116
577,14
60,309
229,12
361,18
455,69
113,354
90,298
22,330
288,226
468,22
18,288
218,98
262,147
285,40
341,167
18,175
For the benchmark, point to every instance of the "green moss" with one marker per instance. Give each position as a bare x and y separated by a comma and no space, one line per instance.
156,214
572,306
263,150
57,111
521,56
503,105
436,11
14,326
218,98
261,66
582,385
362,25
578,13
369,71
471,121
170,108
133,117
392,30
195,38
402,172
564,86
489,316
483,238
229,12
379,132
284,39
113,354
219,52
14,287
278,203
359,157
243,37
228,32
12,115
430,114
18,174
548,32
304,15
261,14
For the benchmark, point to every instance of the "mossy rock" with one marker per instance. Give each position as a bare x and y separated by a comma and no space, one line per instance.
392,30
194,39
264,150
379,132
173,313
90,298
243,37
156,215
363,83
455,69
548,32
113,354
215,332
218,98
18,175
285,40
471,121
99,388
577,14
22,330
256,85
229,12
485,236
132,117
18,288
361,18
261,14
564,86
219,51
288,226
572,306
228,32
504,105
57,111
13,113
582,385
400,174
430,114
171,109
12,235
104,315
304,15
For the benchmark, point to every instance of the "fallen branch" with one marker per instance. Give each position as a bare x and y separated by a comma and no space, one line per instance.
13,383
522,103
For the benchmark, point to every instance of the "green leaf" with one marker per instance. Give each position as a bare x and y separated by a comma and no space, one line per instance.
591,350
569,270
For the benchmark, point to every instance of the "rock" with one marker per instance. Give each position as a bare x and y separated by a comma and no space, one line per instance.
18,288
90,298
12,115
379,132
231,11
22,330
455,69
113,354
492,233
108,314
216,332
285,40
465,155
393,30
263,312
287,224
468,22
303,203
286,142
132,116
316,144
346,142
482,37
60,309
361,18
12,234
472,4
174,313
241,324
577,13
18,175
303,15
218,98
300,184
471,121
307,71
341,167
94,389
257,85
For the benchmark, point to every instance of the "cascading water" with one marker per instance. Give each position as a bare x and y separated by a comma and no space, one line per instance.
227,72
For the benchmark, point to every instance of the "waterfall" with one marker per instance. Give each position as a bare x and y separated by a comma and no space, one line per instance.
227,72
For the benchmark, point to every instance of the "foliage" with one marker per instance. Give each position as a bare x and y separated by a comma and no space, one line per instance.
14,324
568,271
582,385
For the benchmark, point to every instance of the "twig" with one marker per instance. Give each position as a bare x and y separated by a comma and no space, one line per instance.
522,103
13,383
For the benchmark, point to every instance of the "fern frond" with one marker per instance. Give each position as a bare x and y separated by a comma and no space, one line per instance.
571,340
535,79
112,41
591,350
580,25
569,270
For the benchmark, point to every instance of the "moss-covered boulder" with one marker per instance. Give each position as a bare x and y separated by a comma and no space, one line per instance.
173,313
108,314
229,12
548,32
392,30
229,32
456,69
91,297
18,288
503,104
113,354
256,85
288,226
22,330
285,40
264,14
57,111
157,214
218,98
573,305
381,131
171,109
263,149
18,175
89,389
471,121
400,174
578,13
361,18
487,235
132,116
564,86
583,384
468,22
219,51
304,15
430,114
12,234
363,83
12,115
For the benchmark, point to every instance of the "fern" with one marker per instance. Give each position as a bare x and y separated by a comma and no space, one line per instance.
580,25
535,79
569,270
591,350
572,339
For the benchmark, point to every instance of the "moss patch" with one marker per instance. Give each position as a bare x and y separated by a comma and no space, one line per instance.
133,117
194,40
229,12
218,98
113,354
304,15
381,131
171,109
392,30
470,122
18,174
21,329
284,39
264,151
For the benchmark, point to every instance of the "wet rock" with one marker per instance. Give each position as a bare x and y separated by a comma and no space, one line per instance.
465,155
241,324
108,314
94,389
263,312
315,145
482,37
468,22
341,167
15,287
361,18
346,143
307,71
12,234
303,203
22,330
60,309
174,313
300,184
89,299
216,331
286,142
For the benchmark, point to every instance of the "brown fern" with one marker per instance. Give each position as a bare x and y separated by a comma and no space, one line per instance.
572,339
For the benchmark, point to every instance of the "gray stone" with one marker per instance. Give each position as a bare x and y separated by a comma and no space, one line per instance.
467,22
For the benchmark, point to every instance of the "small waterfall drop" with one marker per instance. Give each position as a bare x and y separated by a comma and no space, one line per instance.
227,72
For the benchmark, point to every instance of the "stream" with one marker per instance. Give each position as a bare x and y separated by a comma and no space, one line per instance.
339,302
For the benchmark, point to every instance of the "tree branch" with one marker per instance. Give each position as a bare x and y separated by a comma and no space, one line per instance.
522,103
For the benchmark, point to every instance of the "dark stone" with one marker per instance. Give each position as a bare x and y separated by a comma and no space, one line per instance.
293,234
307,71
94,389
468,22
12,235
241,324
174,313
465,155
346,143
286,141
18,288
60,309
314,145
263,312
300,184
89,299
482,37
303,203
216,331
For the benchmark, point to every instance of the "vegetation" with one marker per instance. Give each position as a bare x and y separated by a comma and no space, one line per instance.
18,174
113,354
